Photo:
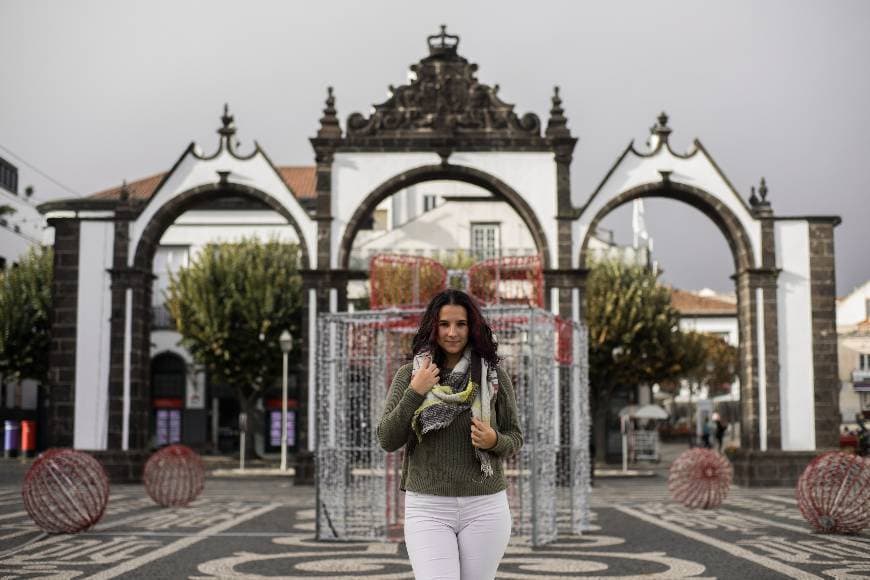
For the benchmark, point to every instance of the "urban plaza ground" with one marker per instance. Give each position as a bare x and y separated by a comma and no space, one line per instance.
263,527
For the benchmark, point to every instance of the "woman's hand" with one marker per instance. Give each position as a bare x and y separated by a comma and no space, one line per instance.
427,376
482,435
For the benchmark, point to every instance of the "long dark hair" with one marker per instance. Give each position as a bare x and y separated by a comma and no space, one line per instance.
480,336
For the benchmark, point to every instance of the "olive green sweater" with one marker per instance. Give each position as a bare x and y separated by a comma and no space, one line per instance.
443,463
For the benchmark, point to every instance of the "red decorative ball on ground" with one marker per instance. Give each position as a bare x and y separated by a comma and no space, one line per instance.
174,476
833,493
65,491
700,478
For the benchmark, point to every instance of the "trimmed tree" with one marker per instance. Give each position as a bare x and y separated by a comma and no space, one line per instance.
230,306
634,336
25,306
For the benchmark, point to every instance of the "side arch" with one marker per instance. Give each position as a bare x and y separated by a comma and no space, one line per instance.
444,172
169,212
735,234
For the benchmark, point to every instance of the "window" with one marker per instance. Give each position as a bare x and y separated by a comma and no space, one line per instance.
429,202
864,362
485,240
8,176
379,220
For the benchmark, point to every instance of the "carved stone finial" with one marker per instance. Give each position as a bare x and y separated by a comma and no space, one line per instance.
228,128
125,191
762,190
661,129
557,125
443,43
753,199
329,127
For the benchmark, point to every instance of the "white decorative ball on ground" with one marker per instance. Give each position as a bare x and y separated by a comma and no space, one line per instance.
700,478
833,493
65,491
174,476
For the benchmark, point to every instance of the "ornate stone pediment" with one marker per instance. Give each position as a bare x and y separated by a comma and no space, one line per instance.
444,99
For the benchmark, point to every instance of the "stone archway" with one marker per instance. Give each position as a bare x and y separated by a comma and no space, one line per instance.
747,278
132,294
169,212
446,172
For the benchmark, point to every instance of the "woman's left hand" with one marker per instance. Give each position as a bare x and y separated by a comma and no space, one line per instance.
482,435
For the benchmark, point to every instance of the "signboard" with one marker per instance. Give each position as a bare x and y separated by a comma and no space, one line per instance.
275,428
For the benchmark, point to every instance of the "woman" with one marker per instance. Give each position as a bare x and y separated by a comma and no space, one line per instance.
456,410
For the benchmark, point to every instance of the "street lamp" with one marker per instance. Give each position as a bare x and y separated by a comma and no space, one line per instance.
286,342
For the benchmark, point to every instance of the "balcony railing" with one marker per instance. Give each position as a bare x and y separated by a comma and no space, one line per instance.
861,376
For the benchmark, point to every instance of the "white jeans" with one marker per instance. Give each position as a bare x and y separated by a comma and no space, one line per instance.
456,538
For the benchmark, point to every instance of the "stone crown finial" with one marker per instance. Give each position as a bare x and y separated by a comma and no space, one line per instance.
443,43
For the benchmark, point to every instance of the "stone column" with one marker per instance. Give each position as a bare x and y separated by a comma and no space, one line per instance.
62,358
823,297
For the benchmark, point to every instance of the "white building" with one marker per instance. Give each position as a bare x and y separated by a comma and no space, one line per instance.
853,337
23,227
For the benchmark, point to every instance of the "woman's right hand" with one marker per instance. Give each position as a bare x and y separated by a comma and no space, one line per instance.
426,377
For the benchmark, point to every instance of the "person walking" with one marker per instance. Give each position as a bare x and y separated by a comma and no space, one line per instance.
455,410
720,428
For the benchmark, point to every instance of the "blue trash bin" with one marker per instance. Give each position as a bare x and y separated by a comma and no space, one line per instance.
11,438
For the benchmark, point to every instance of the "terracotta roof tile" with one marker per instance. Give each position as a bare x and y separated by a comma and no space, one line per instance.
302,181
139,189
689,303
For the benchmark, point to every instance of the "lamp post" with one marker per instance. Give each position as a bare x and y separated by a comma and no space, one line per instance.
286,342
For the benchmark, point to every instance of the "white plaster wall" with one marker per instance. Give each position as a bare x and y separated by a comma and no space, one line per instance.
255,172
853,308
531,175
93,335
712,325
697,171
796,381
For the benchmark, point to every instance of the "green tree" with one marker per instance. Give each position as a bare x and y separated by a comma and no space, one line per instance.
634,336
230,306
6,210
25,305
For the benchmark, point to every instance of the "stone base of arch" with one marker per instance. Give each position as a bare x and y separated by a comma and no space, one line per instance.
774,468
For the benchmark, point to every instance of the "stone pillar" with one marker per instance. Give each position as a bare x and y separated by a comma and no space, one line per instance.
62,358
823,297
747,332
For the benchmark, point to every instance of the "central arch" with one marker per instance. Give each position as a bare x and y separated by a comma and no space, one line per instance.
443,172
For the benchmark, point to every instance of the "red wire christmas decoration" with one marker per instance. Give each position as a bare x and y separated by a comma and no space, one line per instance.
508,280
700,478
404,281
65,491
174,476
833,493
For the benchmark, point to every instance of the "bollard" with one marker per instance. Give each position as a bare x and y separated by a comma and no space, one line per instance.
28,438
10,438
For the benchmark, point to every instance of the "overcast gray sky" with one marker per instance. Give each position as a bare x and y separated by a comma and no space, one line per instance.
93,92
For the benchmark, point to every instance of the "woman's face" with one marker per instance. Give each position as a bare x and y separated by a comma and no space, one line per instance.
452,329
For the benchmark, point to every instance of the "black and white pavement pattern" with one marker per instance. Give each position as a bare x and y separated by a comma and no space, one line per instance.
264,529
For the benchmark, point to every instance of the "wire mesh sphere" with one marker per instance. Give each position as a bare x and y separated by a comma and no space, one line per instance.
174,476
700,478
65,491
833,493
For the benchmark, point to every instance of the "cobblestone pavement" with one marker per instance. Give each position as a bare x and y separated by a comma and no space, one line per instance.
263,528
